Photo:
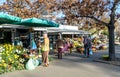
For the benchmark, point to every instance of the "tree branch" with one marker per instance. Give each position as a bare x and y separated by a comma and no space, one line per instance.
96,19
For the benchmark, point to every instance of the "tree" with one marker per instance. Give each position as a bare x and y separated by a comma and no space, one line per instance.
97,10
27,8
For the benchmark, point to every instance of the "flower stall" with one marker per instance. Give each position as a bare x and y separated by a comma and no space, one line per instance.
78,44
98,44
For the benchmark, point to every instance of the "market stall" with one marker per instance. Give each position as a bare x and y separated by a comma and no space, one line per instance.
19,35
11,33
65,31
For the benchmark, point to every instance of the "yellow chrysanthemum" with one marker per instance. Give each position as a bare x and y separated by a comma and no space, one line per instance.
2,61
7,51
12,62
0,65
16,56
4,64
10,59
7,54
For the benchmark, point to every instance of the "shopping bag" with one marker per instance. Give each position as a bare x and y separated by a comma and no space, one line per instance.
33,45
30,65
40,61
90,51
35,62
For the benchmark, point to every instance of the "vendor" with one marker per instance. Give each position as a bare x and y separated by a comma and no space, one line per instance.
70,45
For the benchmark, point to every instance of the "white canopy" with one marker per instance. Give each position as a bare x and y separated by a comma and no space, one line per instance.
66,29
13,26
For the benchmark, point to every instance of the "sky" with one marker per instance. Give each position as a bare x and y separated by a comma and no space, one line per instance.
118,11
2,1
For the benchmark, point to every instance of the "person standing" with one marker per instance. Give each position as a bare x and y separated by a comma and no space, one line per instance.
69,44
87,45
45,50
59,47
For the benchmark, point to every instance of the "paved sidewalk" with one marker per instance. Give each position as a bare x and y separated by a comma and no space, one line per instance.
74,65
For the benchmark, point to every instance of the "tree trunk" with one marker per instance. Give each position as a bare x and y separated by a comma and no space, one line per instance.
111,43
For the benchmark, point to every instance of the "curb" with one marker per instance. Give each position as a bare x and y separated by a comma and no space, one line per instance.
107,62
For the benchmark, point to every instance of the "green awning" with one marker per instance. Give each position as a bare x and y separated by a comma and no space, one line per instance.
8,19
36,22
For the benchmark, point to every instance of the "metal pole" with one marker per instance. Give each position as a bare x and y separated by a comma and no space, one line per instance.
13,36
60,35
72,36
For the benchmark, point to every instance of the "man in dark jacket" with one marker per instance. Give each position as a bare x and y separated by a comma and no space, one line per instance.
87,45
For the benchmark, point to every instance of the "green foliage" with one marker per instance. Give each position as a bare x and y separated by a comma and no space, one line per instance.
105,57
105,32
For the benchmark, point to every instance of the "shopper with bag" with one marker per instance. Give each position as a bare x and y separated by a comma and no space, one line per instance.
87,45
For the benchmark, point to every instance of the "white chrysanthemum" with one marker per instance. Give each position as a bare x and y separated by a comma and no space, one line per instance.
1,49
0,58
16,50
25,50
19,51
22,60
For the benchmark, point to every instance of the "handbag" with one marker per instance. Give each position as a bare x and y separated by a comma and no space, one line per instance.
43,48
